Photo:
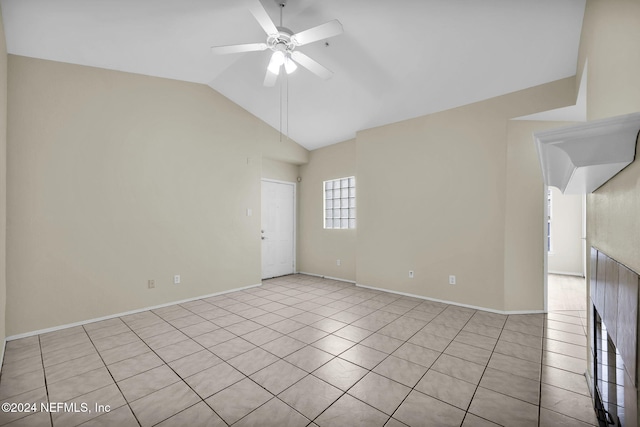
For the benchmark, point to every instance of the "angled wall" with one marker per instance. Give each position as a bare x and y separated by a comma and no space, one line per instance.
114,179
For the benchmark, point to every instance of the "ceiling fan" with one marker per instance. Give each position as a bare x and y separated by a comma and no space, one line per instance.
283,42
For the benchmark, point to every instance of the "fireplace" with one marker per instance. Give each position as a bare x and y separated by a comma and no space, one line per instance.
614,340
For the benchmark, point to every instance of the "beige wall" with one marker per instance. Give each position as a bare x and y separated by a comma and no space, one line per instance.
609,43
279,171
611,36
567,254
116,178
433,198
319,249
3,182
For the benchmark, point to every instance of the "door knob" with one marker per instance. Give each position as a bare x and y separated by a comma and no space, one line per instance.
263,238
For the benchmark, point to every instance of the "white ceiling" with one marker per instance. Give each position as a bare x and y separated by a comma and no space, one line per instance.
395,60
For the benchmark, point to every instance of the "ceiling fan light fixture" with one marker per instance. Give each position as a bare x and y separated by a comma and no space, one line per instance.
289,65
277,59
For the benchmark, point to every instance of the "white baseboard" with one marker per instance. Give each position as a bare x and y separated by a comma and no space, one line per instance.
475,307
565,273
327,277
111,316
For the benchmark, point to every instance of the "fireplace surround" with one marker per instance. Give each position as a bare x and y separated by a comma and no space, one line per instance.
613,340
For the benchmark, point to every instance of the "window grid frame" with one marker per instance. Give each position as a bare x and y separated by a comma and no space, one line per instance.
346,205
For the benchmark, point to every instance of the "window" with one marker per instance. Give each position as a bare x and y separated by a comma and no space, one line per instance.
549,220
340,203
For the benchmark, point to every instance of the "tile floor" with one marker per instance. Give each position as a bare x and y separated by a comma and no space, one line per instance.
300,351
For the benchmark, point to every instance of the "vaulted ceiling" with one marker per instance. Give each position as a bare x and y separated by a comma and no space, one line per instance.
395,60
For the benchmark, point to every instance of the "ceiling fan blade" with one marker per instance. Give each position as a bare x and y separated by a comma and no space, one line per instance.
270,79
324,31
311,65
262,17
238,48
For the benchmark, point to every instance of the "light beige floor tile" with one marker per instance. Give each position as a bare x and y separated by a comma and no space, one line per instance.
277,412
261,336
216,337
566,402
430,341
32,397
199,329
382,343
471,420
138,386
567,349
135,365
401,370
518,350
68,353
458,368
577,339
283,346
565,379
252,361
232,348
364,356
522,339
243,327
126,351
515,366
238,400
278,377
446,388
348,411
310,396
178,350
333,344
155,329
199,415
380,392
418,409
468,352
79,385
157,342
39,419
553,419
416,354
511,385
309,358
485,330
99,402
22,366
476,340
184,322
340,373
194,363
568,363
163,403
121,417
65,370
308,334
107,343
107,331
214,379
503,409
353,333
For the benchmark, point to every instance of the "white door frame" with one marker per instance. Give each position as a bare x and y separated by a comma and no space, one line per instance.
295,218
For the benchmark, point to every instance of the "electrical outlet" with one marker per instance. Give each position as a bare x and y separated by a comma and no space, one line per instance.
452,280
338,262
410,274
176,279
151,284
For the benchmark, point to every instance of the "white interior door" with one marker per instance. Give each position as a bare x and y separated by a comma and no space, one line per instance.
278,224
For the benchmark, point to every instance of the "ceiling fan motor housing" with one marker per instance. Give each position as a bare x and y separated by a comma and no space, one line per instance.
282,41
